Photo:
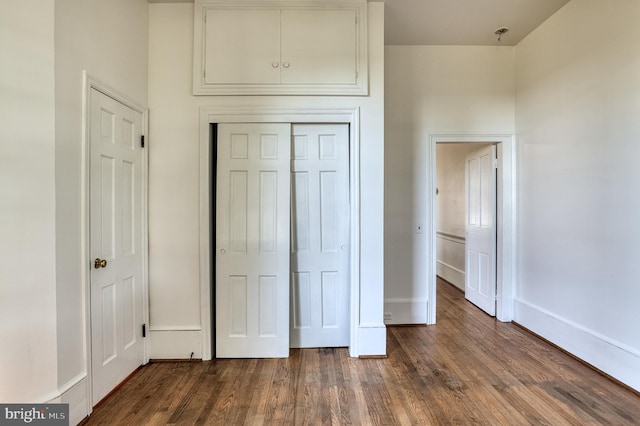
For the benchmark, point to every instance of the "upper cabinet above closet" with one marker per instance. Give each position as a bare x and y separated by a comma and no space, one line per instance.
282,47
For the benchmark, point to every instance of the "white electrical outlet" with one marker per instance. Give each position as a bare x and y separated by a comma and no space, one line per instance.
387,316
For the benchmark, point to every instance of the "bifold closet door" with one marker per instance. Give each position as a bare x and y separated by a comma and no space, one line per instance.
252,240
320,235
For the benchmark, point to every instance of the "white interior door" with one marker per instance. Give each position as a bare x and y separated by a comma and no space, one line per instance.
115,242
480,271
252,240
319,235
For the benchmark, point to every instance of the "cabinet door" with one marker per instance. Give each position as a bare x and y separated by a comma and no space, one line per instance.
242,46
318,47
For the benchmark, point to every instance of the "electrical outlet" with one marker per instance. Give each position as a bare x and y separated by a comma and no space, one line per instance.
387,316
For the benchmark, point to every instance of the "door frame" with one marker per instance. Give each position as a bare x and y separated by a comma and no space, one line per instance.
214,115
506,225
89,83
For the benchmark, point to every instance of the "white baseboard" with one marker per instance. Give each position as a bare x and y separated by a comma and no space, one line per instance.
175,344
451,274
372,340
405,311
614,358
75,393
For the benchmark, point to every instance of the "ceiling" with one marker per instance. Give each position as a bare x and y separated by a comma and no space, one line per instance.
458,22
463,22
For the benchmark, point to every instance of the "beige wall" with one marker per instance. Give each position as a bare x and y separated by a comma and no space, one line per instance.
450,181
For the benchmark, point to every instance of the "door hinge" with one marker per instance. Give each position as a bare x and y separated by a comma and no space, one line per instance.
144,330
142,141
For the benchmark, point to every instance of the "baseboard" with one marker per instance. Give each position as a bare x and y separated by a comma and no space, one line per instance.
613,358
372,340
75,393
451,274
405,311
175,344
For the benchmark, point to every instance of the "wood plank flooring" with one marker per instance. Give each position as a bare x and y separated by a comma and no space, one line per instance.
469,369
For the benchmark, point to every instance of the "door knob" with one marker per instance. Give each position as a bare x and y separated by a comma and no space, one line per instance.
100,263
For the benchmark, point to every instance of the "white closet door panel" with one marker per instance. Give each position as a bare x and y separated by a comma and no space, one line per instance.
319,47
252,240
319,248
242,46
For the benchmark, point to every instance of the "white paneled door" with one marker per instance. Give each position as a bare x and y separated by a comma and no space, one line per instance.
252,240
480,271
115,242
319,235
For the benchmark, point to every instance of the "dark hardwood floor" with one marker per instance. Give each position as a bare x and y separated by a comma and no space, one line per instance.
468,369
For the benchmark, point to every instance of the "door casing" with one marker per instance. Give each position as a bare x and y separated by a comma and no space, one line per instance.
89,82
213,115
506,211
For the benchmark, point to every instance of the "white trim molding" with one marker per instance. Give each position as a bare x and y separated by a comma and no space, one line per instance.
506,200
351,116
608,355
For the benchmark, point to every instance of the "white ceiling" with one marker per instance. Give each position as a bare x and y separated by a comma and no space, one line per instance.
458,22
463,22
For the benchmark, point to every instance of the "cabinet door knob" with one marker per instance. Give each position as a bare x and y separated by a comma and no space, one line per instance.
285,64
275,64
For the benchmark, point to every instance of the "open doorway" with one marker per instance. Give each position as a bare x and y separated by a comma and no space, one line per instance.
466,220
505,210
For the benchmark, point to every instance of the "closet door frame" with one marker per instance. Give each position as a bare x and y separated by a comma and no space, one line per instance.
216,115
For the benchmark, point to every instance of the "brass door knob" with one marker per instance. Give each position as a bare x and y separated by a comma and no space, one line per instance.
100,263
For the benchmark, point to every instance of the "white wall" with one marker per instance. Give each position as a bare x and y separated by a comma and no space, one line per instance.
27,217
174,181
45,47
431,90
578,128
108,39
